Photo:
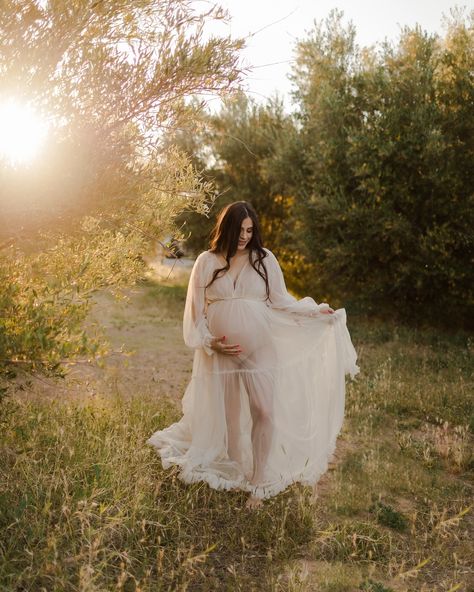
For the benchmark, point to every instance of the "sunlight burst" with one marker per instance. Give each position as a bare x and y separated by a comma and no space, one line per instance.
22,132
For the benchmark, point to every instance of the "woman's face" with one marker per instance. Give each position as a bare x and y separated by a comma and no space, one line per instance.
246,231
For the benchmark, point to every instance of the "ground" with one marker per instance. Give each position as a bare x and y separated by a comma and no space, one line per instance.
88,507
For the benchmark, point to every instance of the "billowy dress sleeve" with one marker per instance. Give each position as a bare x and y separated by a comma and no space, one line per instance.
279,296
195,330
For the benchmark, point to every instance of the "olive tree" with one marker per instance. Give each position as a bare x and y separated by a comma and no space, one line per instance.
112,78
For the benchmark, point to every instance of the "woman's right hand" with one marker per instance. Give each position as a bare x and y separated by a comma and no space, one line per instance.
218,345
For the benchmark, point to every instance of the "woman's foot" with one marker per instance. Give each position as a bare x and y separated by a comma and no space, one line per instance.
249,477
253,502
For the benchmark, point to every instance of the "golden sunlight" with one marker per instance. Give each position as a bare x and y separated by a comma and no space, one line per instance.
22,132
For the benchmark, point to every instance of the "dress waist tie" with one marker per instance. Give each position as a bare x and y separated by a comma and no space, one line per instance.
236,298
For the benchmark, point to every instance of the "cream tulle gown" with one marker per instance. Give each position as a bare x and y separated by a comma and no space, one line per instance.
279,404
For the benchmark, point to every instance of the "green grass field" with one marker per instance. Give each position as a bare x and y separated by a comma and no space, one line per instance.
86,506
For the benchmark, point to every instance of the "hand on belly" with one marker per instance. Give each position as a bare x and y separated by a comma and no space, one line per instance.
221,346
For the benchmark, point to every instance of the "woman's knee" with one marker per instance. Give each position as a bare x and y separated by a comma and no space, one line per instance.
262,413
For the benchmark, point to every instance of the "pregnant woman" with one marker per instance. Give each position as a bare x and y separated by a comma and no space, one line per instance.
266,399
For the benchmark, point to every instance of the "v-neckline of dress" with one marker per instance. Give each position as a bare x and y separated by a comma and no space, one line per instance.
232,281
235,281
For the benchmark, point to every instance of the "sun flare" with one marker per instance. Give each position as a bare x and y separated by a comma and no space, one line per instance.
22,133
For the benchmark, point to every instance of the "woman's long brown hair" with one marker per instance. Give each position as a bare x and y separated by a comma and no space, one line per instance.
225,239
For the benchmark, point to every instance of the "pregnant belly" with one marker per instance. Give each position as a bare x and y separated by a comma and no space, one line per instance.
242,322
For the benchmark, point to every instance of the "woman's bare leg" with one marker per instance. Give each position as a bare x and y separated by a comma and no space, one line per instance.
259,388
232,411
262,429
232,415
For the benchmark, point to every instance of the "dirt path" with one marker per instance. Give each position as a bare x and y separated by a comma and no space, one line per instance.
148,325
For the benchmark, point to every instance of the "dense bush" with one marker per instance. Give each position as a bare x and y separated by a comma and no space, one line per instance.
388,145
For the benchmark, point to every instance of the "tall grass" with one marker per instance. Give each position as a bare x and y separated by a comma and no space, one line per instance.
85,504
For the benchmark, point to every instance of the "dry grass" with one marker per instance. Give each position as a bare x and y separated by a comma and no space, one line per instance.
85,505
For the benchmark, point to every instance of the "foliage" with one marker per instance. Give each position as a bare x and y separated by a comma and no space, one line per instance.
236,149
371,586
388,516
388,146
41,320
110,77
